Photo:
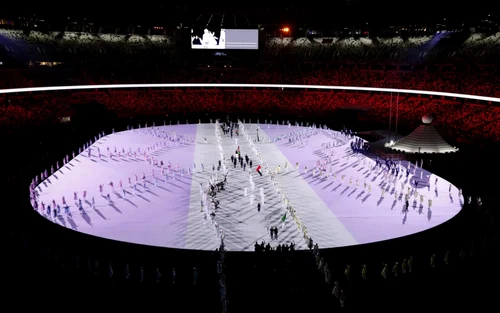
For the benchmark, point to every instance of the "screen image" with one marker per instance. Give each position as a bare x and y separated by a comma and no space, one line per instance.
208,39
242,39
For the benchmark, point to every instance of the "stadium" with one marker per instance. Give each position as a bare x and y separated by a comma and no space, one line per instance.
164,158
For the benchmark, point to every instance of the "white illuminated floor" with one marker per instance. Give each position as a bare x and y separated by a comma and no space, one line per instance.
167,214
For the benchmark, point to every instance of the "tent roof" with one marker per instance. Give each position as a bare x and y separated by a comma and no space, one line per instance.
424,139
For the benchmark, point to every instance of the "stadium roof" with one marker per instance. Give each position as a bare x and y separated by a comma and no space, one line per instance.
341,12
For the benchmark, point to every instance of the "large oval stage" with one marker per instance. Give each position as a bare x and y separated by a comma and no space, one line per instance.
356,203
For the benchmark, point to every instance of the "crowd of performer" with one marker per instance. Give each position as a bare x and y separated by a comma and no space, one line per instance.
394,173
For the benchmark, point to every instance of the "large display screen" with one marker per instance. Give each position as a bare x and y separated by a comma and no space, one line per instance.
237,39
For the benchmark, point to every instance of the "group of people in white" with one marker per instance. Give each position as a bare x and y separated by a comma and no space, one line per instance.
209,202
112,191
392,175
285,202
301,136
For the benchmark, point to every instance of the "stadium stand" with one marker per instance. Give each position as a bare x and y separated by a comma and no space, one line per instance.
451,266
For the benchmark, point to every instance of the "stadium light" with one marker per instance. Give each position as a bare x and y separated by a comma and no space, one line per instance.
267,86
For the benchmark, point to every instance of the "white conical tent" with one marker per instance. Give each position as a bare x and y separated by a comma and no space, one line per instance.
424,139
